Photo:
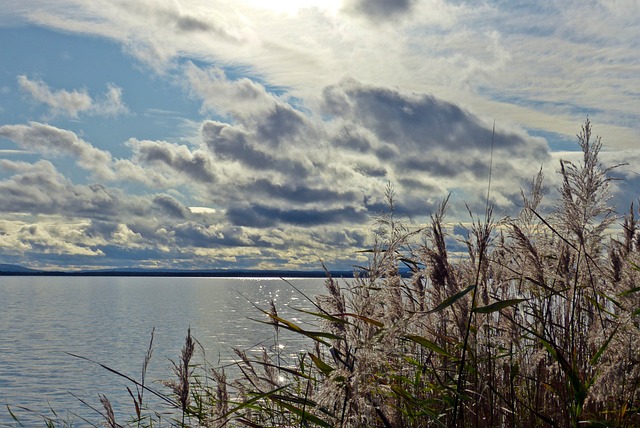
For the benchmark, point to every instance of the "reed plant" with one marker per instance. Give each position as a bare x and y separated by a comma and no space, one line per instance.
537,326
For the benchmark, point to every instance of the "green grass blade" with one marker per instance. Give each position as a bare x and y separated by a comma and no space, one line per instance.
497,306
451,300
365,319
328,317
417,403
603,348
251,401
580,391
630,291
426,343
304,415
292,372
13,416
321,365
288,325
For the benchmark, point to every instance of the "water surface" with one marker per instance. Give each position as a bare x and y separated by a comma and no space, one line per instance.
110,319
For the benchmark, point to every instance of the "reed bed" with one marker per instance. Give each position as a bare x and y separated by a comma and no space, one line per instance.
537,326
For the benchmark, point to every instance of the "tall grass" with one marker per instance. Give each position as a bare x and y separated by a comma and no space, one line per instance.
538,326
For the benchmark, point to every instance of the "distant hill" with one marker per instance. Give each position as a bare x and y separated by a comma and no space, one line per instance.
7,268
239,273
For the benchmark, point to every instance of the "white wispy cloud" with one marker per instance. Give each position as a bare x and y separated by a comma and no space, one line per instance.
538,66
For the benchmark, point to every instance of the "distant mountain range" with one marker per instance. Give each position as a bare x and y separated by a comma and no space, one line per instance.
8,269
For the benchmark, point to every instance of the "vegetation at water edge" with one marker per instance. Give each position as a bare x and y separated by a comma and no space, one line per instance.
537,326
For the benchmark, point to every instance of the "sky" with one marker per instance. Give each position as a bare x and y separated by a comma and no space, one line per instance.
251,134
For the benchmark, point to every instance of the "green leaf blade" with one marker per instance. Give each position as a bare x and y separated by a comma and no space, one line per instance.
428,344
497,306
451,300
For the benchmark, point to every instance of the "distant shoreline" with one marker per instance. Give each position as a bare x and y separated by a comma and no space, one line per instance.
188,274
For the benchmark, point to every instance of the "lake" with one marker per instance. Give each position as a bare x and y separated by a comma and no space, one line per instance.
110,320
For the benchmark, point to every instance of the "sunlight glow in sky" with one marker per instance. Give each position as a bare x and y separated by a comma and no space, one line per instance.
250,134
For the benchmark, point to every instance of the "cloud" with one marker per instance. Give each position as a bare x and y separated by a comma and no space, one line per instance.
51,140
69,103
287,182
534,67
307,112
110,104
332,165
262,149
40,188
272,174
196,165
178,18
256,215
237,98
72,103
278,159
53,240
419,136
76,223
380,10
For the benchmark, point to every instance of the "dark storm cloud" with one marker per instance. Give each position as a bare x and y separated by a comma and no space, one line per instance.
196,234
407,205
438,167
371,170
452,165
191,23
100,228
